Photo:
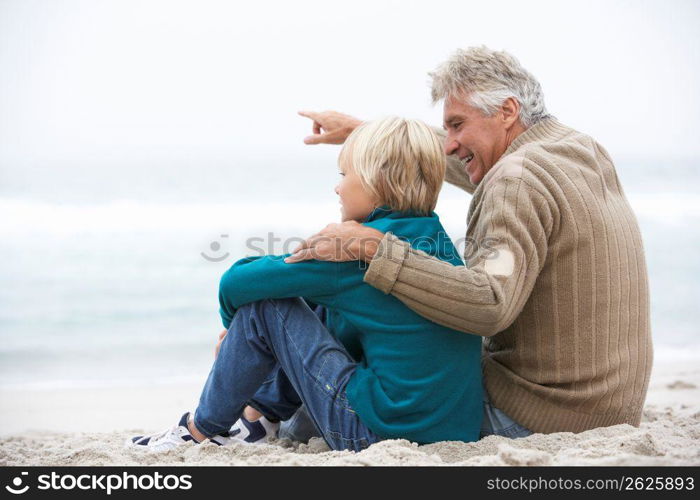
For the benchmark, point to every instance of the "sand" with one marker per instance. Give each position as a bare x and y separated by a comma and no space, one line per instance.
668,435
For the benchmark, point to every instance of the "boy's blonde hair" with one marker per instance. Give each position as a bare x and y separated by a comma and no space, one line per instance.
400,162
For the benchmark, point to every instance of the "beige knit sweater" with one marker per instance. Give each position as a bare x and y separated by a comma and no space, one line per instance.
555,281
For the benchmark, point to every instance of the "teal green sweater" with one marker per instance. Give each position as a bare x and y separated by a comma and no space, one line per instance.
415,379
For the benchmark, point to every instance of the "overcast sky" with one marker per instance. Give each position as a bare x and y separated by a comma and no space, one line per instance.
134,80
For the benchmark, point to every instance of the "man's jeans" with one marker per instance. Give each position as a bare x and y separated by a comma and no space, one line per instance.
498,423
282,346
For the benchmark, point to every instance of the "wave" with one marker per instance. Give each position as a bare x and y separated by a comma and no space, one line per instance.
25,216
135,216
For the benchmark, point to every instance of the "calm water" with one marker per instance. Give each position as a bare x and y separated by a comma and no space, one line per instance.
104,281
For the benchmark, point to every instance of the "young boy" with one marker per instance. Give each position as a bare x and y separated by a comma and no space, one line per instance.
369,368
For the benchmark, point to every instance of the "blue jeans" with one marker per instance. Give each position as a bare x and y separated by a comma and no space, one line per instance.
283,346
498,423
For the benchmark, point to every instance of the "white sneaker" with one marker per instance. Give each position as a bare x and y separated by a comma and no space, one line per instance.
171,438
255,432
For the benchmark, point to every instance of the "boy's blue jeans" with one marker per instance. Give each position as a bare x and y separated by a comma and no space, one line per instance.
281,347
279,358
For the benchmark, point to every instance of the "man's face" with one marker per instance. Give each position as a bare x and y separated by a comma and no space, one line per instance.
471,134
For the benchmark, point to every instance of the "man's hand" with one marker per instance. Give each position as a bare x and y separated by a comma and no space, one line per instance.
330,127
218,344
339,243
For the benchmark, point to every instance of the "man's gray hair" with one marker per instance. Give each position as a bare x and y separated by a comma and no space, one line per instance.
487,78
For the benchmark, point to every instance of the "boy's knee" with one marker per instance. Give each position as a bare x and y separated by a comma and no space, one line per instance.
280,307
283,306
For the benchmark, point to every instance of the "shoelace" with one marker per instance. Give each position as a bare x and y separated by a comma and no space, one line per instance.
158,437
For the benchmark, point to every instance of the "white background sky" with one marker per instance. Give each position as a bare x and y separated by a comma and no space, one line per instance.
134,81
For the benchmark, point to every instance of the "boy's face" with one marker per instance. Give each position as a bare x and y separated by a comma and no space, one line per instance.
355,203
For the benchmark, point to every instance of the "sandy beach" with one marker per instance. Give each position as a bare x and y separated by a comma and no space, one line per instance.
88,427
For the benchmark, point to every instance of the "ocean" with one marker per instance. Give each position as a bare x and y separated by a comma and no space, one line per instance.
110,273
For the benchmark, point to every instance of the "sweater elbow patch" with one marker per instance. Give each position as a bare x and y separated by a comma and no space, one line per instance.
500,264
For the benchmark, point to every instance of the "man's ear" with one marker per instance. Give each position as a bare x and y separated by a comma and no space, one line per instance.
510,111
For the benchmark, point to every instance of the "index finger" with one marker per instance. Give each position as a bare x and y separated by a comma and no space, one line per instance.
299,256
308,114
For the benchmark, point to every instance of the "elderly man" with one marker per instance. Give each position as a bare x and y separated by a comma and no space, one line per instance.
558,284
